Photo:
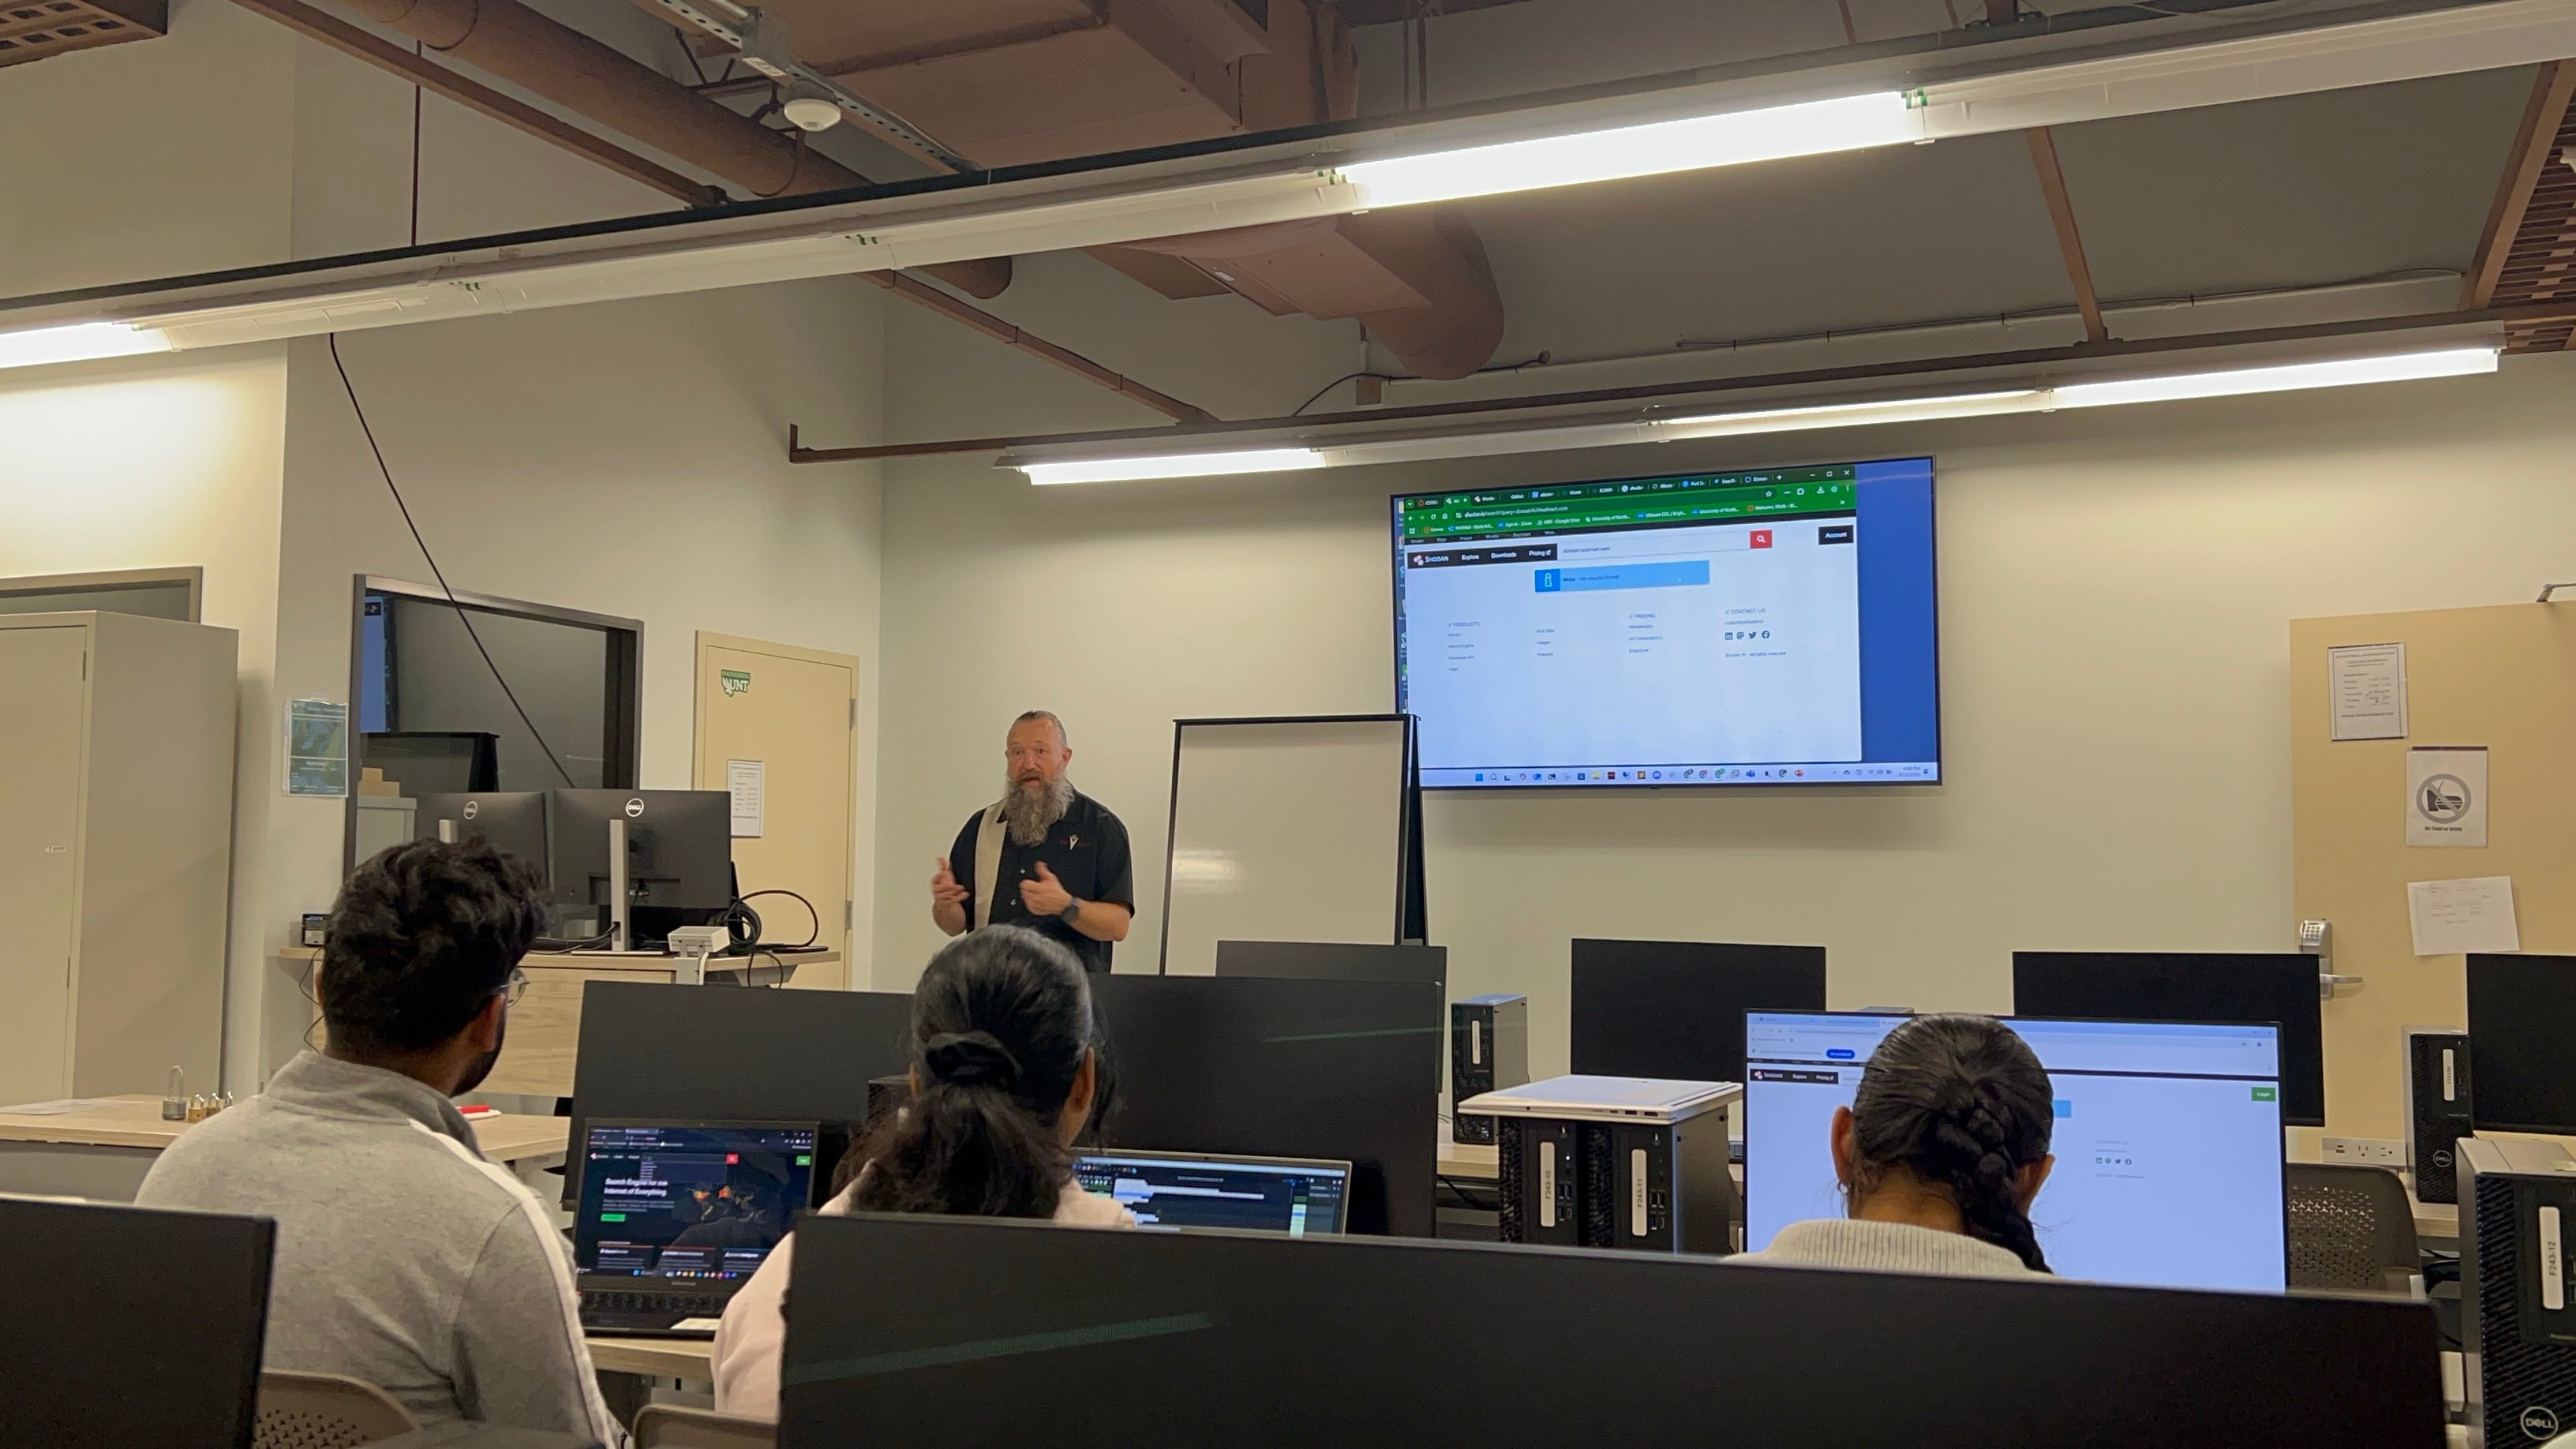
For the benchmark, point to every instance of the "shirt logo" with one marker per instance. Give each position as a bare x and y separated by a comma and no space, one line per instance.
1071,841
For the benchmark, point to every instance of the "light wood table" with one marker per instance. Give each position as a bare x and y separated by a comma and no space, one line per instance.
545,1027
666,1358
101,1151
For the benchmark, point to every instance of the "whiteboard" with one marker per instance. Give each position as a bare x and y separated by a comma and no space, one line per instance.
1286,830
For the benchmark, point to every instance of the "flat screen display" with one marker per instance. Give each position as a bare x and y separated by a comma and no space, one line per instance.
1760,628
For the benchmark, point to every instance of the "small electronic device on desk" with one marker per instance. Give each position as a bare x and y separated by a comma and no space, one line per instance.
675,1217
1614,1162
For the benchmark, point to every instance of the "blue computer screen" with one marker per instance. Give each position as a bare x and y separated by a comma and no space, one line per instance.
2167,1137
1760,628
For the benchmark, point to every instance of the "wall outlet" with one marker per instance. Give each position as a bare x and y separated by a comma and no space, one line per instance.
2368,1151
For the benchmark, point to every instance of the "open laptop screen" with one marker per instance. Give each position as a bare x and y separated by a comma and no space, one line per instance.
2168,1142
1186,1190
689,1205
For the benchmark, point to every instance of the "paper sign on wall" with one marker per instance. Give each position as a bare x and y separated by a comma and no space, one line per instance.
2366,690
2455,917
317,747
748,782
2446,796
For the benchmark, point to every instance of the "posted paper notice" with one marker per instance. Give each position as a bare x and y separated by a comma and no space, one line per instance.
2446,796
748,782
2366,690
2455,917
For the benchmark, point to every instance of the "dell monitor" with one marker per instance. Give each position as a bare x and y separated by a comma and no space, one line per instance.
510,820
2279,986
1675,1009
2168,1142
2520,1053
1296,1196
679,857
1333,960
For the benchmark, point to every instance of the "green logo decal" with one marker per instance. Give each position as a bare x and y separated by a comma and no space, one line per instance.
735,681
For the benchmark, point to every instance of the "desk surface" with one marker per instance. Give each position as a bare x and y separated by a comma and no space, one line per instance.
670,1358
135,1121
648,963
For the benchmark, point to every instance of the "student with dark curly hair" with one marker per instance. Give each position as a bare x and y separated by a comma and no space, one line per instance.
403,1257
1005,1074
1940,1155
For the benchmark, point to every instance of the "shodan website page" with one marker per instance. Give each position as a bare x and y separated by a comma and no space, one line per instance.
1749,628
2167,1136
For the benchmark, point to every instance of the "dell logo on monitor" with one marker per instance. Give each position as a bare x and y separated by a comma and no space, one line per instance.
472,807
634,807
1840,1054
2539,1422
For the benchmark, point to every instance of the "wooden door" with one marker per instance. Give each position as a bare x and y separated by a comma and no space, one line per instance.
2503,677
794,714
43,676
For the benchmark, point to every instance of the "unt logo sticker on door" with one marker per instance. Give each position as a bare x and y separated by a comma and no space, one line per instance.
735,681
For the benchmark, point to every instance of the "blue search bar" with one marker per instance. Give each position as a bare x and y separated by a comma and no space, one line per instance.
1686,574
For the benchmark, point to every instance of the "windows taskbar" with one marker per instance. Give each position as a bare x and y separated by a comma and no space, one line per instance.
1838,773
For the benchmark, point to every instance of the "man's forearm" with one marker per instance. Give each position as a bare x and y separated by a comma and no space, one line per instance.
1102,920
949,916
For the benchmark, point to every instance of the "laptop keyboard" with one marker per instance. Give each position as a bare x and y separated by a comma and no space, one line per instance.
683,1305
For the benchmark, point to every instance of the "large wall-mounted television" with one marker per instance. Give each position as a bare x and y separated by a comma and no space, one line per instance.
1772,628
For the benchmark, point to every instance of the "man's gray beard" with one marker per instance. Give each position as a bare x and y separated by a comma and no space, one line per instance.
1030,809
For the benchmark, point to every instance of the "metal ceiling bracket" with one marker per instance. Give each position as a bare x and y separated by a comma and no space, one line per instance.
766,47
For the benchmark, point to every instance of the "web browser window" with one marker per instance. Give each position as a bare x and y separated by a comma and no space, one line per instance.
2167,1137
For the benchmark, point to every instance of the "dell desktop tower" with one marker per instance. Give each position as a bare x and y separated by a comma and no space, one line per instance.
1614,1162
1488,1051
2517,1300
2437,1109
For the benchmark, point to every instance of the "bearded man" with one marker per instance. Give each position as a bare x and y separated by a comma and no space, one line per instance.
1057,858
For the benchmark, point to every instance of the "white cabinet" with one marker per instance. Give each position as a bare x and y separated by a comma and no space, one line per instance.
116,811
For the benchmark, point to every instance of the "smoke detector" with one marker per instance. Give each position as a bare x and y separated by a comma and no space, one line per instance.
811,110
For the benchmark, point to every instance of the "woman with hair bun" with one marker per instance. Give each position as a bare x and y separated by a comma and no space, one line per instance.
1005,1074
1940,1154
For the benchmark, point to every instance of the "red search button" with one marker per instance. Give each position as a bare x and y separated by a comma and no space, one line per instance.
1761,538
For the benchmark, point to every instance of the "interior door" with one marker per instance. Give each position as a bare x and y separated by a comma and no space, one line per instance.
41,674
788,717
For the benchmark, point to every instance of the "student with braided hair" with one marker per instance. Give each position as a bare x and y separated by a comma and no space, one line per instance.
1005,1073
1940,1154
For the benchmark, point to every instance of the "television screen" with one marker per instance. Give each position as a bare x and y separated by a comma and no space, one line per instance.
1761,628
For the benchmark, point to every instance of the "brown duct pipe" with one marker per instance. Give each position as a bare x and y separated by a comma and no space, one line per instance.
569,68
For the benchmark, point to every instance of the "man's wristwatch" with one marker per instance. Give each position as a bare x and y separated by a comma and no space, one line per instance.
1071,913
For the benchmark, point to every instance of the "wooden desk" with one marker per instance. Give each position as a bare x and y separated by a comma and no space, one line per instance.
667,1358
545,1027
101,1152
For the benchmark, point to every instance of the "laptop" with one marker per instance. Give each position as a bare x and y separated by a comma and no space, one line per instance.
674,1217
1297,1196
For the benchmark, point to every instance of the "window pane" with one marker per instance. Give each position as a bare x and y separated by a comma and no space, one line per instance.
434,679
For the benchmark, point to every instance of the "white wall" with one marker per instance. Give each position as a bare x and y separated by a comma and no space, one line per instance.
2115,586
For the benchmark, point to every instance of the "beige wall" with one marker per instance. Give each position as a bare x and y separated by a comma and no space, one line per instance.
2116,589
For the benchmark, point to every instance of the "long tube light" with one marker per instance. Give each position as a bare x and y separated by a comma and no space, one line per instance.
1656,148
2231,382
78,342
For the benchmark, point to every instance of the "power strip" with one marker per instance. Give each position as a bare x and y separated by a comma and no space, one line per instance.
2368,1151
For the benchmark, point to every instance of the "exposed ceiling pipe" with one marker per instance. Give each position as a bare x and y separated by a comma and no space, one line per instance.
563,65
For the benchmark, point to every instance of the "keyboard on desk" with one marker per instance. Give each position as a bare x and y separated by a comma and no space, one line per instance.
681,1315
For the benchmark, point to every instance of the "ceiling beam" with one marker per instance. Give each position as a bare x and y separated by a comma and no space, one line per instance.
1038,347
352,40
2052,184
2551,90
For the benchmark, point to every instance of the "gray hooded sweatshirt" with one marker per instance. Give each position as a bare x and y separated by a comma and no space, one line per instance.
403,1258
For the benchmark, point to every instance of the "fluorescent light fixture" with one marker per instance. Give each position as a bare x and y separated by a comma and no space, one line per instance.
2342,372
1809,128
1171,465
78,342
1847,415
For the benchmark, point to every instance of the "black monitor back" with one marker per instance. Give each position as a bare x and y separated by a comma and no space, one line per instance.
1333,961
702,1053
679,854
133,1325
511,820
2521,1054
2218,986
1284,1068
1676,1009
973,1332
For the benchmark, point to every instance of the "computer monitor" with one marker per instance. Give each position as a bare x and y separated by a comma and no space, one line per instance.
1296,1196
133,1325
1332,960
453,761
2275,986
2521,1058
511,820
653,1052
687,1205
1263,1067
2168,1142
1675,1009
679,856
973,1332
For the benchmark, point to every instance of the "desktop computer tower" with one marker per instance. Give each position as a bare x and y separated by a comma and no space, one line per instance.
2517,1302
1488,1051
2437,1109
1614,1162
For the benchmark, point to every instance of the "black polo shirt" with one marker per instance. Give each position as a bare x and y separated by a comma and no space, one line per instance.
1087,850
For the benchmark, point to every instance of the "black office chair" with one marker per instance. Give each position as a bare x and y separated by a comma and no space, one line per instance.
2351,1230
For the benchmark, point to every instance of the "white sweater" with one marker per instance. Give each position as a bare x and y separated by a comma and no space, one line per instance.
1887,1248
753,1336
